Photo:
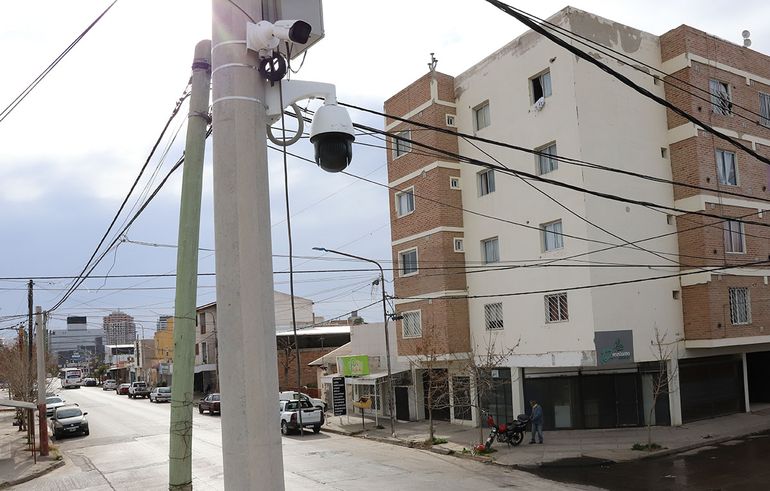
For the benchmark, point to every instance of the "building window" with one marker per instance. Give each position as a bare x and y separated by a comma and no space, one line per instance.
740,310
204,353
764,109
450,120
486,180
458,244
490,251
493,316
481,116
197,349
720,97
556,307
541,86
552,236
202,322
400,146
734,236
411,324
545,159
454,183
726,170
408,261
405,202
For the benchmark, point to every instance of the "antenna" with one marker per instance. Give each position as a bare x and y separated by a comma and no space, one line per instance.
433,62
746,41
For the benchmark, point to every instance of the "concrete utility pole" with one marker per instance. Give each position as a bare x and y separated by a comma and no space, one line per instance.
41,381
251,442
391,396
28,371
180,444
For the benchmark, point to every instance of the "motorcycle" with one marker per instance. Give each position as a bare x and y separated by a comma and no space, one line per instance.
511,433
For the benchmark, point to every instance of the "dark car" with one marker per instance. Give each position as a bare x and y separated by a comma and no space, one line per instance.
209,403
89,382
68,420
122,389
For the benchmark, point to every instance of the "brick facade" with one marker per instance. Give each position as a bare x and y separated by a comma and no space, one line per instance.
309,376
437,206
706,308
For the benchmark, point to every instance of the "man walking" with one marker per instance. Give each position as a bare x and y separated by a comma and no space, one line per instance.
537,422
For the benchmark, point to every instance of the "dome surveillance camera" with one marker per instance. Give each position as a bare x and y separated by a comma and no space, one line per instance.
332,136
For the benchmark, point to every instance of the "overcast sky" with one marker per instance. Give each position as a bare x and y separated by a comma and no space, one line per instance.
69,152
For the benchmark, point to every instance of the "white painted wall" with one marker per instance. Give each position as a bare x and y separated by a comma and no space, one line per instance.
591,117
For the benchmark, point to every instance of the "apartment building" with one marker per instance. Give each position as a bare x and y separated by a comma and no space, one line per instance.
578,294
119,328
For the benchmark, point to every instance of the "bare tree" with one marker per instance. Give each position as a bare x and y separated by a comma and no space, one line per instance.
662,380
480,363
430,356
287,349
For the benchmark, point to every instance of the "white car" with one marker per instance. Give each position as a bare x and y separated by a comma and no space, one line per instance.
109,385
51,403
299,396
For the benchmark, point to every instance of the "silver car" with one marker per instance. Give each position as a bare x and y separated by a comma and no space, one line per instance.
160,394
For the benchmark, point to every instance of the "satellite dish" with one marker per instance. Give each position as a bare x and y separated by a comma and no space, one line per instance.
746,40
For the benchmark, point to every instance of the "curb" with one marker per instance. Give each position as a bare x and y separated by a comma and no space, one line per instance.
34,475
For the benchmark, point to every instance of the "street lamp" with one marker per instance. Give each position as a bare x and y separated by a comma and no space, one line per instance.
387,340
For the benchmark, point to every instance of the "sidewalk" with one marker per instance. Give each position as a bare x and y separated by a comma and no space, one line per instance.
566,447
16,463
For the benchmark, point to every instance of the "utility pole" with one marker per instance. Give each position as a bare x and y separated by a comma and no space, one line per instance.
41,381
180,443
28,371
251,444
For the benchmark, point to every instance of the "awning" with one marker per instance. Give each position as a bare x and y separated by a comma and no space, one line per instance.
331,356
209,367
371,379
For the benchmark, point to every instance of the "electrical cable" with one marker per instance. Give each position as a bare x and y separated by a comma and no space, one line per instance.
625,80
24,93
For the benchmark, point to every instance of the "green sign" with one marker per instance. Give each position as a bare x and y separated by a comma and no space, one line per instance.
354,365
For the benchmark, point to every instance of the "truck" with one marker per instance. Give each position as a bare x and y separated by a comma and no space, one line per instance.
138,389
312,417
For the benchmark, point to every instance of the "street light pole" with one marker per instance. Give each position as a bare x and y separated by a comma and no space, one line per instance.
387,339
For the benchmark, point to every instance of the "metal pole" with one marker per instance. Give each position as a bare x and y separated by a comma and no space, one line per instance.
28,369
41,381
387,339
180,444
251,444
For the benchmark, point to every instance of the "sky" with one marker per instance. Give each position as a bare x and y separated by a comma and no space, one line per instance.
72,148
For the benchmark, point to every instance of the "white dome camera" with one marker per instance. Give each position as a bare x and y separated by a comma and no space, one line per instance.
332,136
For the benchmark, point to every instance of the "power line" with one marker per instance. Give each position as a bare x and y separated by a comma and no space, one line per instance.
24,93
623,79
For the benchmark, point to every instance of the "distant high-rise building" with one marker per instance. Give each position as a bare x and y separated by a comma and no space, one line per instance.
162,323
119,328
77,343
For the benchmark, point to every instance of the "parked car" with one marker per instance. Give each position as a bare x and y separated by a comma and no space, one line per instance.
109,384
299,396
68,420
51,403
89,382
209,403
311,416
122,389
138,389
160,394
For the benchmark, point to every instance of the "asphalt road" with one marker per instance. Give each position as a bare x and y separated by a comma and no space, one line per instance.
128,449
739,465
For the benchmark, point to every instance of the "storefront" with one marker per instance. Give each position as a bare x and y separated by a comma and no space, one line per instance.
711,386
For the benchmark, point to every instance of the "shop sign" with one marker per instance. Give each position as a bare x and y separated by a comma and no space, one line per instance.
338,396
614,347
355,365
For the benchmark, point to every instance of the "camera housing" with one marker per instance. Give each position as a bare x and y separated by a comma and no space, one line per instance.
265,36
332,136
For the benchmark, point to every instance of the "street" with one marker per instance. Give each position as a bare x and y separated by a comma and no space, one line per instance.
738,464
128,449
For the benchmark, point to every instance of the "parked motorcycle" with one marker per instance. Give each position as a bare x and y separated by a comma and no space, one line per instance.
511,433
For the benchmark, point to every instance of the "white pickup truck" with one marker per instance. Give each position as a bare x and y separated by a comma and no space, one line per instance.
311,416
